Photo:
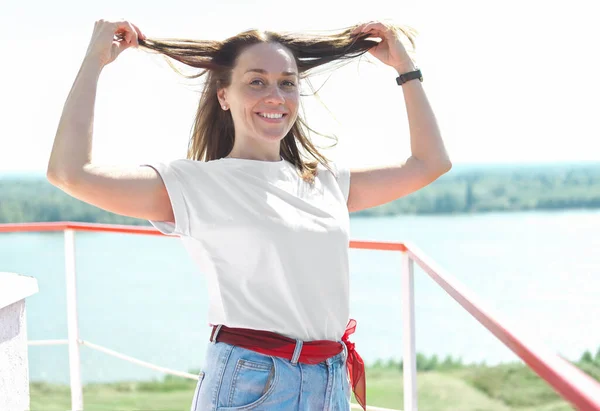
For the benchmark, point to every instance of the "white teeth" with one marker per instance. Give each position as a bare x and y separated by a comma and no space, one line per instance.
267,115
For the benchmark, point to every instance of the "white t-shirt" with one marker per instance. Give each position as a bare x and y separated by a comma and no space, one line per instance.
274,250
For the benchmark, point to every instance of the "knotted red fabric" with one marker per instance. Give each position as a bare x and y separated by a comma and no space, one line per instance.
356,367
313,352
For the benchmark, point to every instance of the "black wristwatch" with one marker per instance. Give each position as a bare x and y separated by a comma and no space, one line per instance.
411,75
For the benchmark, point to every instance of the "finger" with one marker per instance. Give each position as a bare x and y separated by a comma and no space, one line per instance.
362,26
133,35
367,27
365,35
130,34
375,26
372,33
139,32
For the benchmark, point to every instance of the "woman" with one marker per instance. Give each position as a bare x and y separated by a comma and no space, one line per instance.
269,229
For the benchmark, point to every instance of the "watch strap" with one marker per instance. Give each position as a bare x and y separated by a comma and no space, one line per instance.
411,75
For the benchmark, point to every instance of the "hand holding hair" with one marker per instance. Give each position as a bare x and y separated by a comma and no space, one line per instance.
111,38
390,50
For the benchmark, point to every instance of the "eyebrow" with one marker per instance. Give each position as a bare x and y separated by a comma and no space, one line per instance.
262,71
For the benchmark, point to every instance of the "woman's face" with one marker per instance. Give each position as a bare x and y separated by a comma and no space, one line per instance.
263,95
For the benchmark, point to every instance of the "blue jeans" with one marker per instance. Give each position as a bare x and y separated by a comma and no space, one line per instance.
236,378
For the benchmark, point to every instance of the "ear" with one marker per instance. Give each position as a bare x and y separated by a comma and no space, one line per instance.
222,96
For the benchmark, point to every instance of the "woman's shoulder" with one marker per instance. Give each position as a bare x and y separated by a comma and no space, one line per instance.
185,168
189,164
333,167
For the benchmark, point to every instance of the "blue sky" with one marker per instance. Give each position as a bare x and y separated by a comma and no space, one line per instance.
510,81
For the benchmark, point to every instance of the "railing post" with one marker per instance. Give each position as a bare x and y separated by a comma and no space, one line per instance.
72,323
409,358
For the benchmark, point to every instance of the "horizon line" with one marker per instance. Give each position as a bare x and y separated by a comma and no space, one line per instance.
459,164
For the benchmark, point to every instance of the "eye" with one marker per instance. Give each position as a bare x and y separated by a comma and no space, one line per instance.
288,83
254,82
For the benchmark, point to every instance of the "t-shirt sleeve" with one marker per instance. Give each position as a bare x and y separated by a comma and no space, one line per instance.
173,176
342,175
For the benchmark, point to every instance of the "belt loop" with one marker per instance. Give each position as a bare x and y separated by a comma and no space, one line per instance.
215,332
297,352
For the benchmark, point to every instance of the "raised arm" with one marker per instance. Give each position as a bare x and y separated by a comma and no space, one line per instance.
131,191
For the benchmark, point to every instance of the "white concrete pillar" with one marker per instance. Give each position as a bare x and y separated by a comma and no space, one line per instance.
14,365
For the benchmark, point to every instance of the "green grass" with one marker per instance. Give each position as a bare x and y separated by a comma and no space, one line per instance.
470,388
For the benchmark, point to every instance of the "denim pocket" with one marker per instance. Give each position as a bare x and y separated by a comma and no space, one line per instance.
252,383
197,392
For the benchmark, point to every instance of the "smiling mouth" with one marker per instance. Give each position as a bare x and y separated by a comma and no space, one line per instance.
272,115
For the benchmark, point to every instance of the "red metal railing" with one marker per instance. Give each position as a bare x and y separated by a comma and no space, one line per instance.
571,383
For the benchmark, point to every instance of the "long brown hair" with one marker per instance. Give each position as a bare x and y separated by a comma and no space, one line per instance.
213,130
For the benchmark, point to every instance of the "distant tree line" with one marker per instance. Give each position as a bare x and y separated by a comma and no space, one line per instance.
502,189
431,363
462,190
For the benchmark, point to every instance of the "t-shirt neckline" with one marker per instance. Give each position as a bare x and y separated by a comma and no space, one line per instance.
250,161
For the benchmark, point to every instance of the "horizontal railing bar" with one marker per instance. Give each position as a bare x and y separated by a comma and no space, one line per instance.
377,245
139,362
116,354
67,225
573,384
146,230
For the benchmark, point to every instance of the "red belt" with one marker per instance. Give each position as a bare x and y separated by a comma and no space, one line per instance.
313,352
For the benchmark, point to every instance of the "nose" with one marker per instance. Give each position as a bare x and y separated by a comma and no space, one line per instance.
274,96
